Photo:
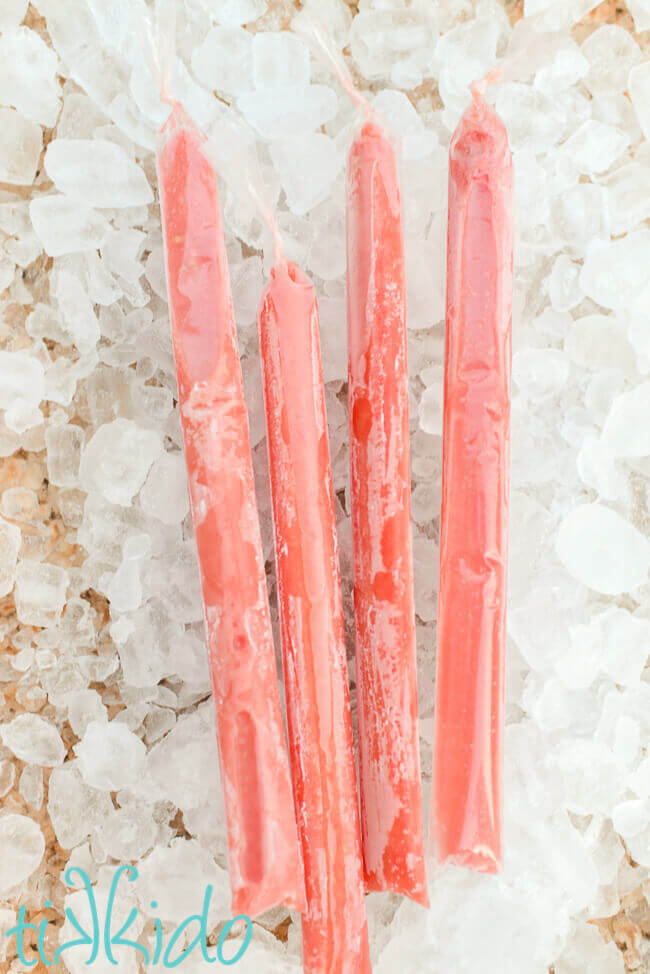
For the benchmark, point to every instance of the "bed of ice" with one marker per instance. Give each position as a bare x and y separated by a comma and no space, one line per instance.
108,748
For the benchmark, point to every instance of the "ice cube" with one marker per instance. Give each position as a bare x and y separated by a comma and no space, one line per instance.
618,641
225,60
602,550
630,817
565,69
164,495
64,445
280,113
84,707
626,432
124,590
628,191
403,121
189,660
431,405
540,372
177,766
640,10
426,561
193,869
307,166
615,272
65,226
602,390
79,117
398,43
599,342
638,86
533,119
333,338
117,459
595,147
580,215
40,593
597,469
31,786
28,75
587,951
425,284
233,13
465,53
76,307
75,808
10,541
639,780
11,13
110,756
21,850
280,59
97,172
33,739
20,149
247,283
612,52
564,288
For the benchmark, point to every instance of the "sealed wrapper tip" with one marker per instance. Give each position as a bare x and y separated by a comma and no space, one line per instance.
469,716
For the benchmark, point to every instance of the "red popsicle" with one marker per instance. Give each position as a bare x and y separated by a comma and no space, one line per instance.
468,738
335,939
389,763
264,854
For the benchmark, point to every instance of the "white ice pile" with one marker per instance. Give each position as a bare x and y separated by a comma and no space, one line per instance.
107,728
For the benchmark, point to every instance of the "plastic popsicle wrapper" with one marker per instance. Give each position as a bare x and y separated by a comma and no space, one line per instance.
264,854
389,763
334,932
469,717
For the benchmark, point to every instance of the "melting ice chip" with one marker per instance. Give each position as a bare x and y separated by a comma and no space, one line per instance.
40,593
65,226
110,756
307,166
96,171
626,432
292,110
399,43
403,120
602,550
28,75
20,148
615,273
13,11
21,849
639,89
225,60
116,461
611,52
34,740
10,541
594,147
640,10
280,58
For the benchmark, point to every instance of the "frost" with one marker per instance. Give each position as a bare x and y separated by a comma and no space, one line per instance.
21,850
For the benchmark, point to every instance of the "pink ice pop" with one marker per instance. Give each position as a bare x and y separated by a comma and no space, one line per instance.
335,938
389,763
264,854
468,738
